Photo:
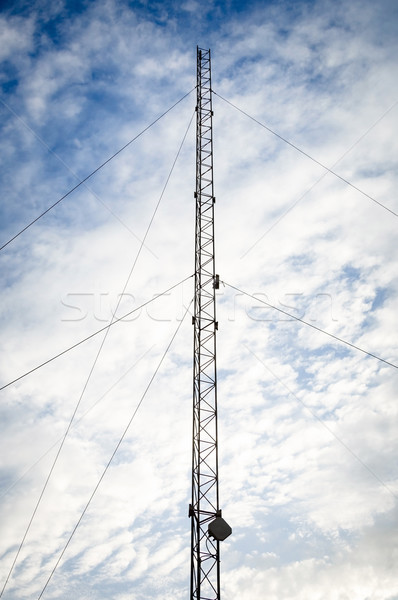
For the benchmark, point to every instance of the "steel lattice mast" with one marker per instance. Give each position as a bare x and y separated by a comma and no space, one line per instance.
207,526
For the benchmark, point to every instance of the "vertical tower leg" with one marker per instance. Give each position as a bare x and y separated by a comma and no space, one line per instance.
207,526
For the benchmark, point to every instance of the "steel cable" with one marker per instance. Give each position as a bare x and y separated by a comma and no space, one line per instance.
95,171
93,365
307,155
114,452
335,337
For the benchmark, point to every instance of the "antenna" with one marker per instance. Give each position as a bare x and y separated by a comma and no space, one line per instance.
208,527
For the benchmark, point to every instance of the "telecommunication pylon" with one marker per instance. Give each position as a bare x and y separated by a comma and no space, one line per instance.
208,527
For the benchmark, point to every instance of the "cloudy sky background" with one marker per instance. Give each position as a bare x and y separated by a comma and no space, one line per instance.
308,426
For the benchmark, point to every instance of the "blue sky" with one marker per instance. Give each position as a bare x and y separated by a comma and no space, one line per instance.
308,426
